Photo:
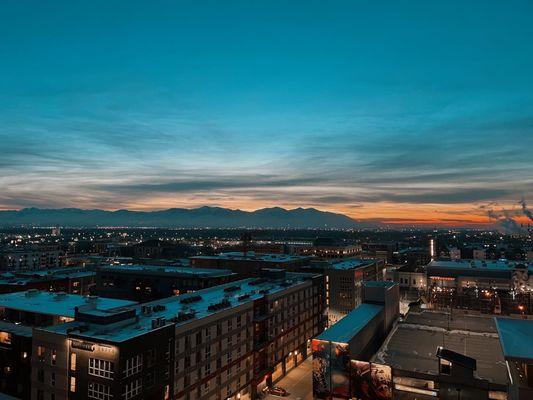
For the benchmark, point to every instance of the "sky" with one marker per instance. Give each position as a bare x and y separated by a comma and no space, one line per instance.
404,112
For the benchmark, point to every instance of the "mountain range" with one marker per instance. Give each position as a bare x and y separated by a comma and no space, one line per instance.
203,217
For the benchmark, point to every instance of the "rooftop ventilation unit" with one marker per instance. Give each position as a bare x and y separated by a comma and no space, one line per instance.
191,299
219,306
158,322
243,297
146,310
184,316
232,288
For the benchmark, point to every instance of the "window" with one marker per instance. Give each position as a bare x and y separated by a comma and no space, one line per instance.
40,352
150,358
40,395
132,389
5,337
53,359
445,367
134,365
40,375
73,361
99,391
53,379
73,384
101,368
149,379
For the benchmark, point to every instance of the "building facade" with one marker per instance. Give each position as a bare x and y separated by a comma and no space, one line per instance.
228,341
147,282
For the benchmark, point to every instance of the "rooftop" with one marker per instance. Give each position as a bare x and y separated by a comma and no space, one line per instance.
21,278
167,270
351,263
385,284
515,338
238,255
344,330
16,329
413,344
192,306
494,265
55,303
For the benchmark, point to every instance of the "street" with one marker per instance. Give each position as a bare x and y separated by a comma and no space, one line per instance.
297,382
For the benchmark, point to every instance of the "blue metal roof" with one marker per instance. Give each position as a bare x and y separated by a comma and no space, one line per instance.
344,330
516,337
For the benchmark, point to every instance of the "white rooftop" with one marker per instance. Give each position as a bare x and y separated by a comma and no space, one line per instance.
244,291
52,303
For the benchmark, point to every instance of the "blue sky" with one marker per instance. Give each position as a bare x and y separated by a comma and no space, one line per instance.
352,106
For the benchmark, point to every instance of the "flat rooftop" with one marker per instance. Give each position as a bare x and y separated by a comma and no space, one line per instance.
52,303
385,284
352,263
167,270
252,256
25,277
237,294
16,329
413,343
348,327
516,338
493,265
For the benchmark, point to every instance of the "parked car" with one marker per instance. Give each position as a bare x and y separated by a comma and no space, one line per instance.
277,391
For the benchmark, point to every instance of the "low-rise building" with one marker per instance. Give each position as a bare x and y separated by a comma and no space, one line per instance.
499,286
410,277
425,355
515,337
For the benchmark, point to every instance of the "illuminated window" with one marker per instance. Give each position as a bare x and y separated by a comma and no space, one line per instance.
53,359
5,337
73,384
73,361
445,367
40,352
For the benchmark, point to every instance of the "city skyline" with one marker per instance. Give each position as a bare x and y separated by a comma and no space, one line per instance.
406,114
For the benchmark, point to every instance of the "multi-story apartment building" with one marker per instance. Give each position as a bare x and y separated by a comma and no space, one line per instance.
250,263
149,282
344,280
223,342
329,249
31,257
77,280
21,312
